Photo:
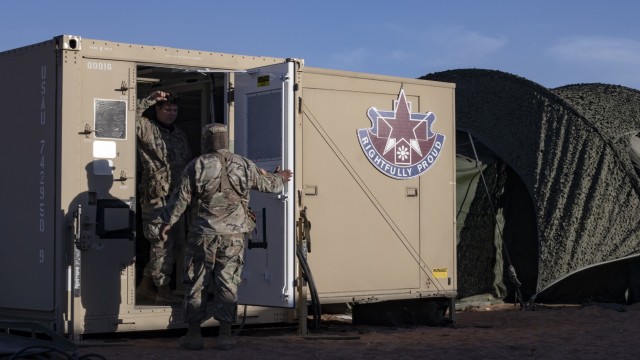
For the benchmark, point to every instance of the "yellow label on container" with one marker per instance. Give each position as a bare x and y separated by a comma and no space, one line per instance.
263,80
439,273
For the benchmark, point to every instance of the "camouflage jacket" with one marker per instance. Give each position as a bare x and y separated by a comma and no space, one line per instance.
163,153
213,210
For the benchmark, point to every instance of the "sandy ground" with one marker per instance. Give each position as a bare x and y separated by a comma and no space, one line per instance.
502,331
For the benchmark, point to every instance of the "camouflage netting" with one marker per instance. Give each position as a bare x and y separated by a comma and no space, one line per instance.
569,150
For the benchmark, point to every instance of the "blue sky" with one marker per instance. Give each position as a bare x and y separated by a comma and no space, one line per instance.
551,42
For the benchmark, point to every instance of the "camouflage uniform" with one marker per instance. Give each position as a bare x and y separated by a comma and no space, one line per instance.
163,153
218,220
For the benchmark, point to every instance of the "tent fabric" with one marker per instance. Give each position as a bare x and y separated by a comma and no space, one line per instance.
475,230
498,229
622,284
573,196
467,177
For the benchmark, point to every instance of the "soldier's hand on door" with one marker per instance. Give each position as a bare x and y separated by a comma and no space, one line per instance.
286,174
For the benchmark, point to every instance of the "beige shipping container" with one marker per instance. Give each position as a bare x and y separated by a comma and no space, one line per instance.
371,208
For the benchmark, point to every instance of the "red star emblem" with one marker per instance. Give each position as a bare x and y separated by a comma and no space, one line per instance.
401,128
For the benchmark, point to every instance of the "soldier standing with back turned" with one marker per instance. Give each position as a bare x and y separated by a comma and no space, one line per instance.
217,186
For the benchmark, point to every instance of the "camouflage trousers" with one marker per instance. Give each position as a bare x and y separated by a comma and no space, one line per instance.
212,261
162,254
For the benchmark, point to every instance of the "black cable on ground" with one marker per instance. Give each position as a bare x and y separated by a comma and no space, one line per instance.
244,320
50,349
315,299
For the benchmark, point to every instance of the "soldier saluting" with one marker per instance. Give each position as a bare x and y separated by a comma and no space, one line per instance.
163,153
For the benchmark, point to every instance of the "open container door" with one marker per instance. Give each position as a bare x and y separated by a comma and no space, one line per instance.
263,129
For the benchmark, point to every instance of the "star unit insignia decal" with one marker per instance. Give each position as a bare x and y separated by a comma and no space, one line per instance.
399,143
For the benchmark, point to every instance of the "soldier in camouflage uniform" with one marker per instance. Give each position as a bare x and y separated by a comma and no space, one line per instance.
217,186
163,153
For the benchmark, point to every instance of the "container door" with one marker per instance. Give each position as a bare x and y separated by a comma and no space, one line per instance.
105,156
263,132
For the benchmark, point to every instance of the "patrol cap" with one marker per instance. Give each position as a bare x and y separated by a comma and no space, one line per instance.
214,137
170,98
215,128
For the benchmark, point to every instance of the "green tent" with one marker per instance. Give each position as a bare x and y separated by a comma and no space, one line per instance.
548,189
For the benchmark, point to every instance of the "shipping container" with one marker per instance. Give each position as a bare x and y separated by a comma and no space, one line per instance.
370,213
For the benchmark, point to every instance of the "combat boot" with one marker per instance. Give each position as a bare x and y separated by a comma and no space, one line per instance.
146,290
225,339
193,339
165,296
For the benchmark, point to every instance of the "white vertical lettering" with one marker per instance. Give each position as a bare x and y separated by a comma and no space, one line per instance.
42,161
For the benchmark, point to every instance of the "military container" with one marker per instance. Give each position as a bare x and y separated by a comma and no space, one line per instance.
369,216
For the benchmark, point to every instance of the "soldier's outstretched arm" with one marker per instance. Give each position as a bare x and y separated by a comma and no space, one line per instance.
265,181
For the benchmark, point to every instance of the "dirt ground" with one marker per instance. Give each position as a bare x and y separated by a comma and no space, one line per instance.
501,331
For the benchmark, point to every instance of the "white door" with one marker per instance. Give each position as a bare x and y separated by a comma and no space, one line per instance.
263,129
